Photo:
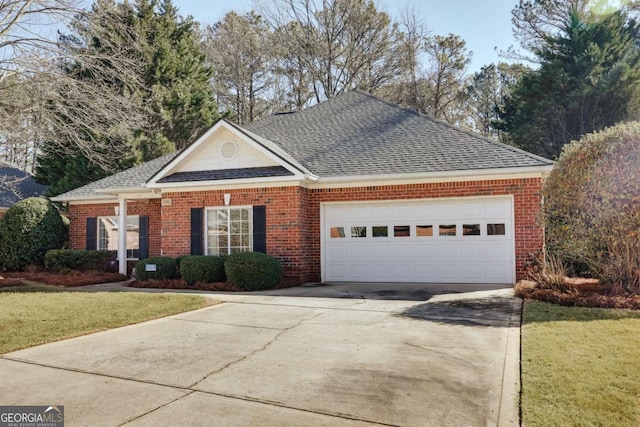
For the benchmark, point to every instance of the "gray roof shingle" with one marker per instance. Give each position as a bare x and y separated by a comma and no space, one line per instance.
16,185
134,177
354,134
261,172
359,134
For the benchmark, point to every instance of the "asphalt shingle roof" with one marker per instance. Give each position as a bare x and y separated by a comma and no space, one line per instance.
131,178
359,134
354,134
16,185
261,172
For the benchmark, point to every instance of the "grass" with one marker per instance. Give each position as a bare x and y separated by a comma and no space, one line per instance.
32,315
580,366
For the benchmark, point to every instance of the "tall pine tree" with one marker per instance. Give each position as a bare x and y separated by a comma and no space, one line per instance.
172,89
588,79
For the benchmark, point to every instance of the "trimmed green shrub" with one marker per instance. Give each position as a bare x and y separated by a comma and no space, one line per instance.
253,271
592,206
165,269
202,268
28,230
179,261
57,260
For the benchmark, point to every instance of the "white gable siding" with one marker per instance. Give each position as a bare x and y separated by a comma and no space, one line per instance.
208,157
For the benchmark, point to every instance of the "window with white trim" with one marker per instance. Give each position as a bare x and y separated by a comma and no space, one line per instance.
108,235
229,230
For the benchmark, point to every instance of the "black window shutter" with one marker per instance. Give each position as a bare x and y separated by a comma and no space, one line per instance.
143,237
197,239
92,234
260,229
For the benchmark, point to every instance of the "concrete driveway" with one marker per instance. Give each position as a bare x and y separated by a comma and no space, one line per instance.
329,355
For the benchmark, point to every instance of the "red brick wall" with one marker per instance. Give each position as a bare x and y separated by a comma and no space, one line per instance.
293,216
78,215
529,236
286,232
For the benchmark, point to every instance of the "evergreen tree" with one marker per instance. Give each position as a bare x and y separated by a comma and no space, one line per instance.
587,80
176,80
171,89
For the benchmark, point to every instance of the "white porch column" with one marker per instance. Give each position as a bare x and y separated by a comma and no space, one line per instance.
122,237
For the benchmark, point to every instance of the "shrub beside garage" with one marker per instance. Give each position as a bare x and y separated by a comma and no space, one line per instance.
592,207
253,271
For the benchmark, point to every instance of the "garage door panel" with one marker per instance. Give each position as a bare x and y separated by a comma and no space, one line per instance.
404,272
496,251
448,273
449,251
480,258
470,273
403,250
361,272
498,273
471,250
472,210
448,211
338,253
498,208
378,251
425,273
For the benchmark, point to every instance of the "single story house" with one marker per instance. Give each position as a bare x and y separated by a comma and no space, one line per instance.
352,189
16,185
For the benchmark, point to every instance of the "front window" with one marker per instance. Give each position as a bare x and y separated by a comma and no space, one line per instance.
229,230
108,235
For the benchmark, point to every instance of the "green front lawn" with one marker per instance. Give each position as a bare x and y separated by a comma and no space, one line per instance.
32,315
580,366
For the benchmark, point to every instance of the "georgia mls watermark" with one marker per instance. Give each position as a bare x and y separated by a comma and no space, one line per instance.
31,416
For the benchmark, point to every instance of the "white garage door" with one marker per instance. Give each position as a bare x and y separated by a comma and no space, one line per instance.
466,240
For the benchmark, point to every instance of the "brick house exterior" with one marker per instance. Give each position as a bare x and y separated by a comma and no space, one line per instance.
287,176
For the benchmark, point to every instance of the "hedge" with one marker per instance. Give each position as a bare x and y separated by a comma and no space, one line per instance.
165,269
57,260
253,271
202,268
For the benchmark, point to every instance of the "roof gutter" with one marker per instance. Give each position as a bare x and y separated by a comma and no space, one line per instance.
477,174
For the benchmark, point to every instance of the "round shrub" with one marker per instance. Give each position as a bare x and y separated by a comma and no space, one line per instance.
165,269
28,230
592,206
202,268
253,271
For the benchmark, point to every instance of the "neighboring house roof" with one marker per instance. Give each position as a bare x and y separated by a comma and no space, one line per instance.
16,185
354,134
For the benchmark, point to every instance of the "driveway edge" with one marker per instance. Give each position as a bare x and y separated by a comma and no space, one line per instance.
509,414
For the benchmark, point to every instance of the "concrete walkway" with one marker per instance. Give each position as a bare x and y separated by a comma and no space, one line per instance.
301,359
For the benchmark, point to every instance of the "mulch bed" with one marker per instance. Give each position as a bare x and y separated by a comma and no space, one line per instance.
68,279
199,286
182,284
7,283
580,293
